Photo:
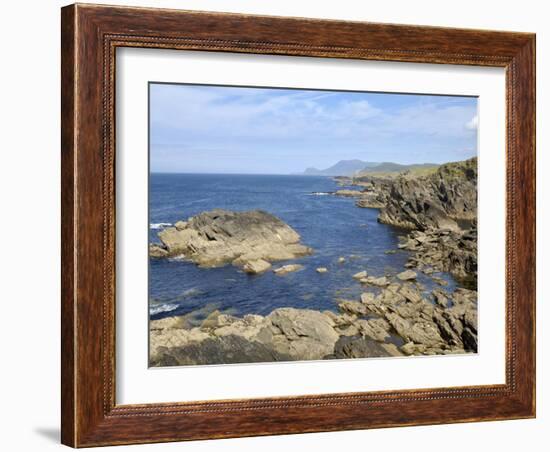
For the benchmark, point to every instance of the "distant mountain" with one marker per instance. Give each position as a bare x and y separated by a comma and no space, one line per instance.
342,168
390,168
361,168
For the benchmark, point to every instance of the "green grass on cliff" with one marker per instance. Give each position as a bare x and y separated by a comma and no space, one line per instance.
391,170
463,168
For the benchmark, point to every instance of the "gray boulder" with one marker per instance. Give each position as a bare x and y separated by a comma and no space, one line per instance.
220,350
358,347
416,330
302,333
360,275
256,266
157,251
406,275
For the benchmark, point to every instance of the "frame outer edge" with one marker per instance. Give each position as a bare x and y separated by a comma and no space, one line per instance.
534,226
68,230
86,419
525,61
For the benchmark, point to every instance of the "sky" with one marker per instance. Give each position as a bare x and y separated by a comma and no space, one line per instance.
217,129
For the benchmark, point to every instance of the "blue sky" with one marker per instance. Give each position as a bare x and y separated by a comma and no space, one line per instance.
211,129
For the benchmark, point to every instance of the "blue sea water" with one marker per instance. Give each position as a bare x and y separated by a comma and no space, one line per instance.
333,226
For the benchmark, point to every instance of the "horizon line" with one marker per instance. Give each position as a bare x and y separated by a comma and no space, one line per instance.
234,174
303,172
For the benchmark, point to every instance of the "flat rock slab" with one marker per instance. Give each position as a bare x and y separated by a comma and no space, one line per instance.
407,275
285,269
257,266
373,281
348,193
360,275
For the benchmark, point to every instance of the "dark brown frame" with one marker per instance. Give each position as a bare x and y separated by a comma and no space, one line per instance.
90,35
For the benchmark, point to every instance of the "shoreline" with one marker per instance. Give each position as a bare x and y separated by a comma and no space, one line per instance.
397,321
394,315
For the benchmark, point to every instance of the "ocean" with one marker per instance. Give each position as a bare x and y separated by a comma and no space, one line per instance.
333,226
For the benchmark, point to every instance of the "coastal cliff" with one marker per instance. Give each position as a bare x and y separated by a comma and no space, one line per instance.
434,201
440,210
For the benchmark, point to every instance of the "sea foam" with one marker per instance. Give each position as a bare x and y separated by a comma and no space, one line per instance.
159,225
153,310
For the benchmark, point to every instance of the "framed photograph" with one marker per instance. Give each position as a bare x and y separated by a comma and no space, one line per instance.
281,225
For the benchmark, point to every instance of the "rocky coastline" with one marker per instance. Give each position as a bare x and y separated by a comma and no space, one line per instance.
397,320
445,251
394,316
438,213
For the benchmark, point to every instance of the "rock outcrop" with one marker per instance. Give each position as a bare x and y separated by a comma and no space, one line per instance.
436,201
374,194
229,349
441,211
425,327
361,347
251,240
397,320
449,251
348,193
371,200
286,334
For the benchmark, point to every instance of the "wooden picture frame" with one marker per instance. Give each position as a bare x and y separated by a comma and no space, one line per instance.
90,36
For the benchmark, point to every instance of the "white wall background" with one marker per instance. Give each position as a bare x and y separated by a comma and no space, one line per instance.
29,389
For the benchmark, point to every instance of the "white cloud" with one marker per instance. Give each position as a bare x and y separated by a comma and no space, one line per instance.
472,123
218,121
252,113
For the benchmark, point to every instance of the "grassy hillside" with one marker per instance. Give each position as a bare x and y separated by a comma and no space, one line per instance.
389,170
